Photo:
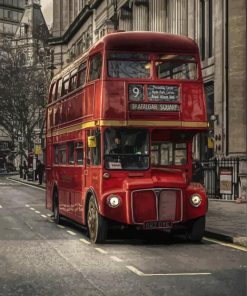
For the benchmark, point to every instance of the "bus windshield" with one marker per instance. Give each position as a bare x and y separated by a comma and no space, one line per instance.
168,154
128,65
126,149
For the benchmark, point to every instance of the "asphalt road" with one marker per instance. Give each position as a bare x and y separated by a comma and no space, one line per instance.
37,257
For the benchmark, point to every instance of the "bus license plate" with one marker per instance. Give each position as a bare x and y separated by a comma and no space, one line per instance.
157,224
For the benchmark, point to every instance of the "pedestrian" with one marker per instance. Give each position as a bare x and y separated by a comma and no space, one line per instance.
25,170
40,171
21,170
197,171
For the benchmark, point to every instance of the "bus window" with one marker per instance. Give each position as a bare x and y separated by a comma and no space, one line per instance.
168,153
73,81
81,74
79,153
71,152
65,88
128,65
59,88
62,154
176,67
126,148
56,159
52,93
93,153
95,67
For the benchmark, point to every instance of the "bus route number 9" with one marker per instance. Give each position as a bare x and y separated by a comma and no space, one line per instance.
136,92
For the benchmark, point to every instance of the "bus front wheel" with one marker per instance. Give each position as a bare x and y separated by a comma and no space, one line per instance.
56,208
196,230
97,224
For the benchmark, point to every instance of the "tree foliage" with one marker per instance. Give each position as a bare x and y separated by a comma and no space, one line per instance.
23,90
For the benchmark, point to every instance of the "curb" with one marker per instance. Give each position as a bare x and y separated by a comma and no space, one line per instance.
226,237
29,183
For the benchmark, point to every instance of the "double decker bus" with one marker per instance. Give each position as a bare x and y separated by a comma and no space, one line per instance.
120,125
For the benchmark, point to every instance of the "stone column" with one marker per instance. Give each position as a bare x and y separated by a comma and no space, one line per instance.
125,19
157,15
65,14
140,15
57,18
191,19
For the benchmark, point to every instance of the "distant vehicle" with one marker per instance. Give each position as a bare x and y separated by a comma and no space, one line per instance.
120,125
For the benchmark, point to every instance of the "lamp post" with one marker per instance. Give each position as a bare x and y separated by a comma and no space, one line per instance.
115,15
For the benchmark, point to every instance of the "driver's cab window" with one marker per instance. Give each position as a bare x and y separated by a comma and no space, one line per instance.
165,153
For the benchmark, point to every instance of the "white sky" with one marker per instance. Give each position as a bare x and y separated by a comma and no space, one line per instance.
47,9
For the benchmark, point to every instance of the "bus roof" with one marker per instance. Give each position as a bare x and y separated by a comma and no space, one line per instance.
149,41
137,41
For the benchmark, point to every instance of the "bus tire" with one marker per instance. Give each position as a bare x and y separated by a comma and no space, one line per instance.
56,208
196,230
97,225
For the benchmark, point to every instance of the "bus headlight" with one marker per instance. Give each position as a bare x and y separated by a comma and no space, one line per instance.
113,201
195,200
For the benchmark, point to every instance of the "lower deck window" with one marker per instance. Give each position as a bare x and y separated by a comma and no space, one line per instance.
167,153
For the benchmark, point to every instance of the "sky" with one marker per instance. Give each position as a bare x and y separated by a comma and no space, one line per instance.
47,10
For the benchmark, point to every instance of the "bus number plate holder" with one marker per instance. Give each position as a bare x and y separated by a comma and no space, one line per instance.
157,224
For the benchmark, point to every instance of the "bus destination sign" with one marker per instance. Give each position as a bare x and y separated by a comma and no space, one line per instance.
154,107
163,93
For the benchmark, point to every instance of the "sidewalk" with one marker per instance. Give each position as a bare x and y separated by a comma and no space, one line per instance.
33,183
226,221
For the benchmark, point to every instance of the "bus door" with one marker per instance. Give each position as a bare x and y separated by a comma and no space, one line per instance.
93,160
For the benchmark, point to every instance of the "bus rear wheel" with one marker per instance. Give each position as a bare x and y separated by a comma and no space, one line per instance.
97,224
196,230
56,208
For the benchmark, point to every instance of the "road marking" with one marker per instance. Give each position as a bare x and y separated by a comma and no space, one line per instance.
1,207
49,215
240,248
50,220
84,241
71,232
60,226
27,184
44,216
100,250
116,259
28,206
32,209
38,212
140,273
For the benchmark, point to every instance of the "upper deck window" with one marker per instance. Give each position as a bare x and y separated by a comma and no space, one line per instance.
82,74
128,65
59,88
176,67
95,67
65,87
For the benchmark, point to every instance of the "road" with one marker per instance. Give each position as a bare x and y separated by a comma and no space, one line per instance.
37,257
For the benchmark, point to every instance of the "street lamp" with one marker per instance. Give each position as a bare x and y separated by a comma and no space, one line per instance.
115,15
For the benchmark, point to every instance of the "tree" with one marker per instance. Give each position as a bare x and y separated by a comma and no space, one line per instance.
23,91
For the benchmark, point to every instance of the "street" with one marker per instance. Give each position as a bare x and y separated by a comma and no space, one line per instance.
38,257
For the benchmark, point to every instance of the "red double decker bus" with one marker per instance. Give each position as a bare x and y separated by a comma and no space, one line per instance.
120,125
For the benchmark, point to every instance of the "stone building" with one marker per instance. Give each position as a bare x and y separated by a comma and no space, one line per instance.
218,27
11,12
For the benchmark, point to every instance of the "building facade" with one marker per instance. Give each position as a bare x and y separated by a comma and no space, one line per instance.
218,27
11,12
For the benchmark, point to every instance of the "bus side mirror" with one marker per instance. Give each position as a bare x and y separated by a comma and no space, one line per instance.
91,142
